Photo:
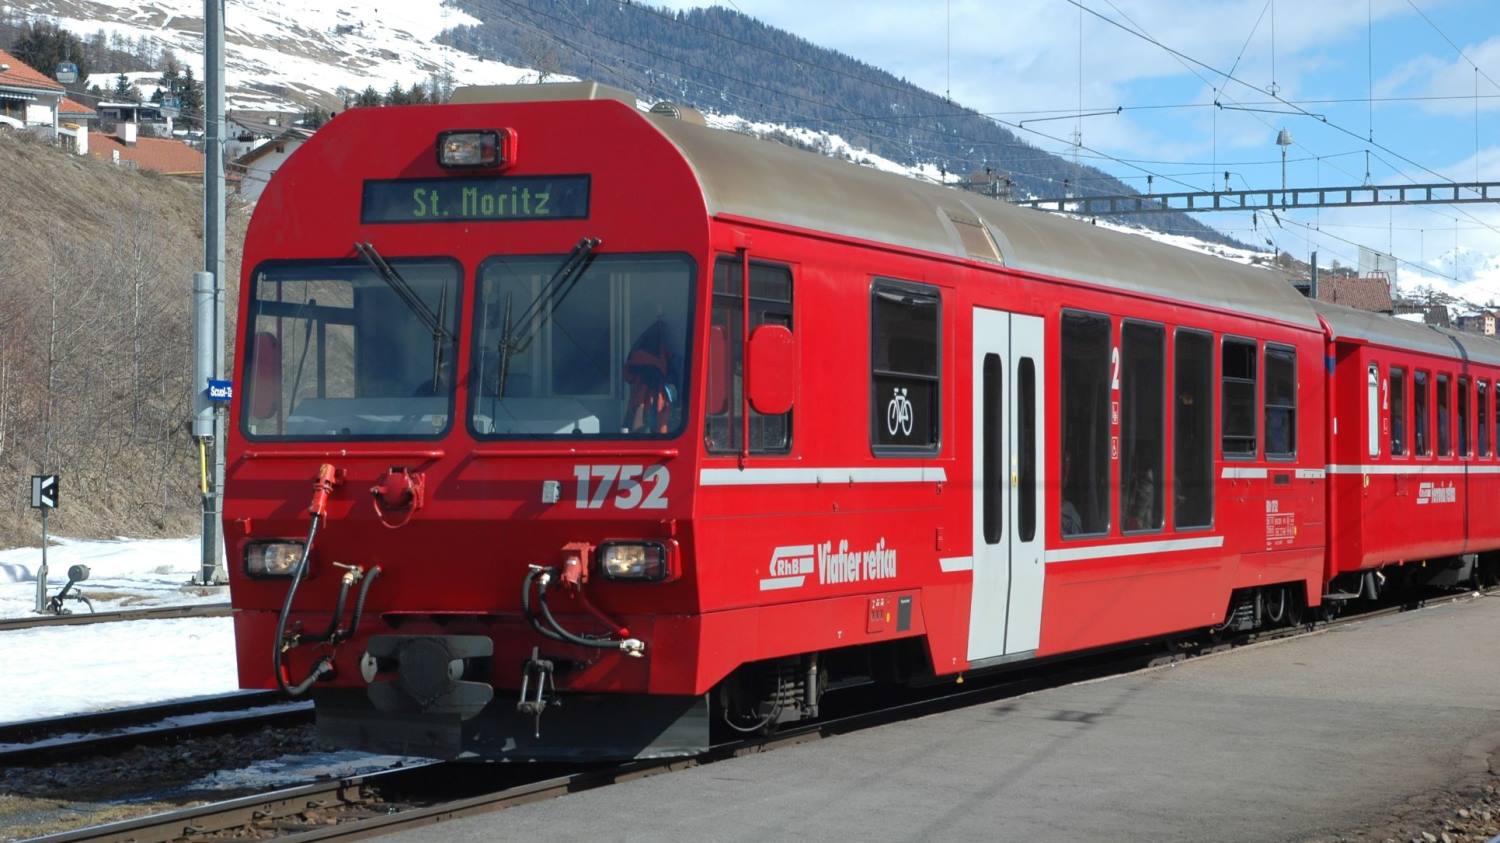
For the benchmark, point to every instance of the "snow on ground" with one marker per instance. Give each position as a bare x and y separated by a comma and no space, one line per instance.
51,671
58,670
289,769
123,574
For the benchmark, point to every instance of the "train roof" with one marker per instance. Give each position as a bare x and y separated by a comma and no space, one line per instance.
762,180
1347,323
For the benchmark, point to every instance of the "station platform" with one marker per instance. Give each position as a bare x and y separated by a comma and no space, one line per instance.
1297,739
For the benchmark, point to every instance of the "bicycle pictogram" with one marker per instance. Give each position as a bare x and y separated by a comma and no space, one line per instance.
898,412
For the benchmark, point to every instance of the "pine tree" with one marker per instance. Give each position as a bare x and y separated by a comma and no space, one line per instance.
46,45
124,91
396,95
368,98
417,95
190,99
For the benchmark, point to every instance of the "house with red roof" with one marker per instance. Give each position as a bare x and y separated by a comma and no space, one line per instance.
29,99
127,148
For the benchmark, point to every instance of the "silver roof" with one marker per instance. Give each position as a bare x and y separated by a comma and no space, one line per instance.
767,181
1351,324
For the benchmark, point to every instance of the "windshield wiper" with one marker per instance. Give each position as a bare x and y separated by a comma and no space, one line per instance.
541,308
441,336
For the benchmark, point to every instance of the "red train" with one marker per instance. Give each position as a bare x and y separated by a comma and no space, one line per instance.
523,467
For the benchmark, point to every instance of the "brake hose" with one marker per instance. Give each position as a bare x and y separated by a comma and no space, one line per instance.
325,664
631,646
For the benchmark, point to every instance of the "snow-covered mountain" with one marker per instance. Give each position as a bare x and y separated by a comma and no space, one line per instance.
288,56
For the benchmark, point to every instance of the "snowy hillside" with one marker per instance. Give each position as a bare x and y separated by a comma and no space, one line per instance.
291,55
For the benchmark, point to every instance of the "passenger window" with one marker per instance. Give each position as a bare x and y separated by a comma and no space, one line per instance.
1482,405
1237,381
1372,409
906,324
1142,425
1463,418
1281,402
1192,429
1398,412
1085,424
1444,429
770,304
1420,422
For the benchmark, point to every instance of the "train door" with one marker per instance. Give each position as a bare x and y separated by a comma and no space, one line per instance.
1005,617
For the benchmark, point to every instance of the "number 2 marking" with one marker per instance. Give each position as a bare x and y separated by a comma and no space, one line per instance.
1114,367
626,481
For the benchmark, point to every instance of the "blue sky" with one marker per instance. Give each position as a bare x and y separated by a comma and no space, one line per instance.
1020,59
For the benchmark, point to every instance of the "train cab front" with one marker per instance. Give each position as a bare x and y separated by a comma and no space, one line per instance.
458,500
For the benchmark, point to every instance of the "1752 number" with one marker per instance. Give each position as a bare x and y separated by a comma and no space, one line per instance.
628,483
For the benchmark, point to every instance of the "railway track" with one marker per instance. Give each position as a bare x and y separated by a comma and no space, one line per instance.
54,739
381,803
194,610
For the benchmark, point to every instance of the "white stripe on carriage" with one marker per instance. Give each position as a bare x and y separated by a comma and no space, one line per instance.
1104,551
1446,468
951,564
813,476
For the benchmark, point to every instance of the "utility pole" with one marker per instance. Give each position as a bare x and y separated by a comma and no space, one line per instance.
208,421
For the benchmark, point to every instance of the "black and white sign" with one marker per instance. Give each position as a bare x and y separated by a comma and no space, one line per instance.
44,491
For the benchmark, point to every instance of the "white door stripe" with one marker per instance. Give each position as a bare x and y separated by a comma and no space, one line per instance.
1104,551
813,476
1243,473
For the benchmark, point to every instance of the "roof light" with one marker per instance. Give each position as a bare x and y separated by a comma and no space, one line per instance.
475,149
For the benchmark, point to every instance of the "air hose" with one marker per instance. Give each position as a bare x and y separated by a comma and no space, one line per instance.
555,630
325,664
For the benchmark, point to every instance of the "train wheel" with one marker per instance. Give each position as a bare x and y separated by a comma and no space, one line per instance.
1295,606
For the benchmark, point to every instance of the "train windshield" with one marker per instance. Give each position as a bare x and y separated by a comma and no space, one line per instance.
351,350
580,345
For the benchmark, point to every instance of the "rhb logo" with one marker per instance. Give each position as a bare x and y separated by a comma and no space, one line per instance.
791,561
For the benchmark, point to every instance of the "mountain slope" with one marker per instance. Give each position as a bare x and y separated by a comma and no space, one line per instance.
722,61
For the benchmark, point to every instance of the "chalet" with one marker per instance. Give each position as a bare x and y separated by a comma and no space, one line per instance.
255,167
29,99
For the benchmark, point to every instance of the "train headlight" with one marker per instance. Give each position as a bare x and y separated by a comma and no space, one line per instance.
473,149
272,559
633,561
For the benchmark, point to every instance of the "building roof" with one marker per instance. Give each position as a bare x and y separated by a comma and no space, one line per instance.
1373,294
159,155
23,75
72,107
743,176
294,138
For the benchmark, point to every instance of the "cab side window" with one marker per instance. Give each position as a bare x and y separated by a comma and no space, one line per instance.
770,304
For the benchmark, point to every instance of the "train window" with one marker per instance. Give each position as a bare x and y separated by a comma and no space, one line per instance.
993,447
1398,411
598,350
1420,422
1281,402
1372,409
1444,427
1026,442
1142,424
770,304
1482,406
1085,371
1237,382
1463,418
1192,431
1496,416
336,352
905,338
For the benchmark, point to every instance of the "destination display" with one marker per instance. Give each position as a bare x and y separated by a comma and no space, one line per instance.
487,198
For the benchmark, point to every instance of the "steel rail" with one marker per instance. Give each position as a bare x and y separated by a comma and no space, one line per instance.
192,610
52,739
212,818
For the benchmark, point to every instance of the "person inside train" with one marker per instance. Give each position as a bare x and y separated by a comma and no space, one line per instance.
653,374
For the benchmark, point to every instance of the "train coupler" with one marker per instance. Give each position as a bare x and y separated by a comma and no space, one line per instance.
532,703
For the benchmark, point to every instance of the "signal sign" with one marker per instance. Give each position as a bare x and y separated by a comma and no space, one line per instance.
44,491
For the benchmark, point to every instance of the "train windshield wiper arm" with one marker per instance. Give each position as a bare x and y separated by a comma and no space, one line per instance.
541,308
441,336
